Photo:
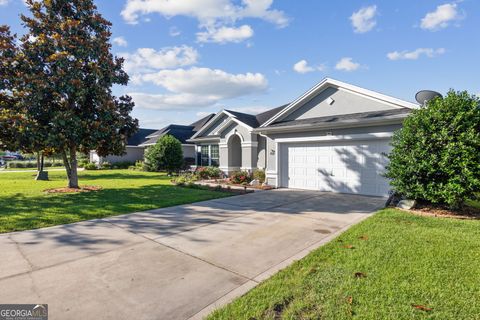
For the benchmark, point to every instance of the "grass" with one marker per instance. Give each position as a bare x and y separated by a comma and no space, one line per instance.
24,204
31,169
407,260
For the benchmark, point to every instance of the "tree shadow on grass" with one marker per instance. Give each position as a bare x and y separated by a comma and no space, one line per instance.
18,212
119,175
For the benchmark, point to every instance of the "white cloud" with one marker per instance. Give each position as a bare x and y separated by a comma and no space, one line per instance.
169,102
414,55
302,67
364,19
3,2
347,64
174,32
120,41
440,18
197,87
207,12
148,59
207,82
225,34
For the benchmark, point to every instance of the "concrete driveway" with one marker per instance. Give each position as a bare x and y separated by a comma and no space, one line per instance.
171,263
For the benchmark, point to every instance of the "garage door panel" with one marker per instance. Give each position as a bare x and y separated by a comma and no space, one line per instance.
353,167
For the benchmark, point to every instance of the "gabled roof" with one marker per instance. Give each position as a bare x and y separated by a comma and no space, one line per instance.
180,132
328,121
139,137
327,82
265,116
197,125
249,120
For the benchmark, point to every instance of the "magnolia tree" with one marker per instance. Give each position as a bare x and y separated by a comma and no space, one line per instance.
56,93
436,155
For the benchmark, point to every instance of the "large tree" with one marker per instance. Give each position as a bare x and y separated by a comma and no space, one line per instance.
58,92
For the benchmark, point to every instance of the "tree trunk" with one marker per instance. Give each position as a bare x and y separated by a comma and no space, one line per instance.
66,164
41,175
73,180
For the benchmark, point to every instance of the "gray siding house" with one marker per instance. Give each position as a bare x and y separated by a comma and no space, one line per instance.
335,137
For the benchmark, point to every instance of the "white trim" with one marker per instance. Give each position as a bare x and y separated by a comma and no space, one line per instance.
246,168
233,133
353,137
250,144
354,123
341,85
187,145
223,126
231,118
279,143
208,124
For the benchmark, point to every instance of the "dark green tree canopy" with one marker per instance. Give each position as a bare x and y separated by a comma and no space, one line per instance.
58,92
166,155
436,155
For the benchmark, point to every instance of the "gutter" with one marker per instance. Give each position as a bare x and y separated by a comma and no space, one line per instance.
394,119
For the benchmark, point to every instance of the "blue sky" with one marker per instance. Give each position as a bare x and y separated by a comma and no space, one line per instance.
187,58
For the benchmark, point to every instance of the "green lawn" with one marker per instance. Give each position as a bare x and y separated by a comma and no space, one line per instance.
407,260
24,204
31,169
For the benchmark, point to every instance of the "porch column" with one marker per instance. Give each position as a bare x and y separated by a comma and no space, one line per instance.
249,155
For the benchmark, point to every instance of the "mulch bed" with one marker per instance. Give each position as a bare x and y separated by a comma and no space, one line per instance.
73,190
442,212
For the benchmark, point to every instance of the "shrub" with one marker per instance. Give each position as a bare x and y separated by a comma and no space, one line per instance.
435,155
185,179
166,155
90,166
241,177
106,165
82,163
259,174
122,164
205,173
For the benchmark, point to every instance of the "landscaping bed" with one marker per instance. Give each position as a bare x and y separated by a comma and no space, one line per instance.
394,265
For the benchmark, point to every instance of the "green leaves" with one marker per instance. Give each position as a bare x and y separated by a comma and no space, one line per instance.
436,155
166,154
59,90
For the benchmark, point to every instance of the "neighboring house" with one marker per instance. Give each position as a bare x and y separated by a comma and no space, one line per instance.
144,138
182,133
133,150
335,137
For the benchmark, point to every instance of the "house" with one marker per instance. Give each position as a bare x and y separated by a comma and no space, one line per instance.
182,133
133,150
143,138
334,137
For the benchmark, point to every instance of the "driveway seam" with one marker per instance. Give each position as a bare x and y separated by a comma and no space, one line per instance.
187,254
34,269
271,271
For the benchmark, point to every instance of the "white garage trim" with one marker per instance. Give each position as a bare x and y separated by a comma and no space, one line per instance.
282,142
363,136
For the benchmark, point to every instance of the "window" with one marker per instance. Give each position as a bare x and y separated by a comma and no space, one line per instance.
214,155
205,156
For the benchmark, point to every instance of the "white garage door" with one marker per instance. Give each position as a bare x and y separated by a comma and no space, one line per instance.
346,167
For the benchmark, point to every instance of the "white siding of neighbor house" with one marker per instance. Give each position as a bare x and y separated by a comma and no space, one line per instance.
132,154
